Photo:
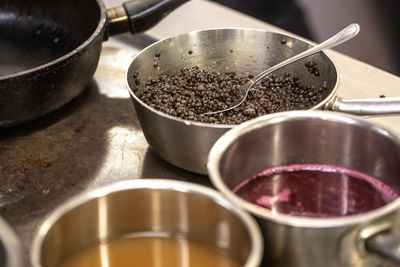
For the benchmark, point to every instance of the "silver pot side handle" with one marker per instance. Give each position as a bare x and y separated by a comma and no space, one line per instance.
368,106
386,245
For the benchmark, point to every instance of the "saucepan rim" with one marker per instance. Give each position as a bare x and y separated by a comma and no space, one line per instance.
11,244
230,136
255,236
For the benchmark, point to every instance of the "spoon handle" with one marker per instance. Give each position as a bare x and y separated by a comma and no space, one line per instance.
342,36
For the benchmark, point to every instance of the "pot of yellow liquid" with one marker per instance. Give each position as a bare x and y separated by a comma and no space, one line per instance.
150,222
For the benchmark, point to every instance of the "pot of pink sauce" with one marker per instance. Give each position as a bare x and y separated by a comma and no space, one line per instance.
324,187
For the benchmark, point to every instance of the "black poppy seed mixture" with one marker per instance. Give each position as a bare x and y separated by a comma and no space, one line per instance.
190,92
312,68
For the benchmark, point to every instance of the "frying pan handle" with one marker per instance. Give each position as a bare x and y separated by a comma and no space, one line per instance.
386,245
139,15
371,106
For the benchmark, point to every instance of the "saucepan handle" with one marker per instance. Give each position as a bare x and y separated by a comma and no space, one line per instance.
138,15
386,245
369,106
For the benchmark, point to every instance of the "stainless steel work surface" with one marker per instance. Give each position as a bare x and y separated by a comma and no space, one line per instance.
94,140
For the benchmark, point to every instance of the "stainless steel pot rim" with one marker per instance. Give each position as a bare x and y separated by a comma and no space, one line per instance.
100,25
254,257
321,104
297,221
12,245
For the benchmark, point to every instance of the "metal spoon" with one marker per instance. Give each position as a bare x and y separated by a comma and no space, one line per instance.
342,36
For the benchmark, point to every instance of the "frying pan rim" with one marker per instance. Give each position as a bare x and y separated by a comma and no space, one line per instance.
100,25
321,104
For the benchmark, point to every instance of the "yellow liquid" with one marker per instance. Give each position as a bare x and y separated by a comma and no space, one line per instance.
150,252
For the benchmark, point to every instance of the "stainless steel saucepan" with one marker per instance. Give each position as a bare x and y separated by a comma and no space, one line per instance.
186,144
315,137
142,206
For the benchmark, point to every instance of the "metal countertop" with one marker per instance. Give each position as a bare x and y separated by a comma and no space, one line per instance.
93,141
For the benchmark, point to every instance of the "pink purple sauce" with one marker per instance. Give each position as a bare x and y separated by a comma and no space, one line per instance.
315,191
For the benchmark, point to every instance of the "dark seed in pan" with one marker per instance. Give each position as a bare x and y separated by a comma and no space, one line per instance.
312,67
156,59
190,92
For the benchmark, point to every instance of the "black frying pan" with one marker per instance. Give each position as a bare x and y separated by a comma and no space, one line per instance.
49,49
